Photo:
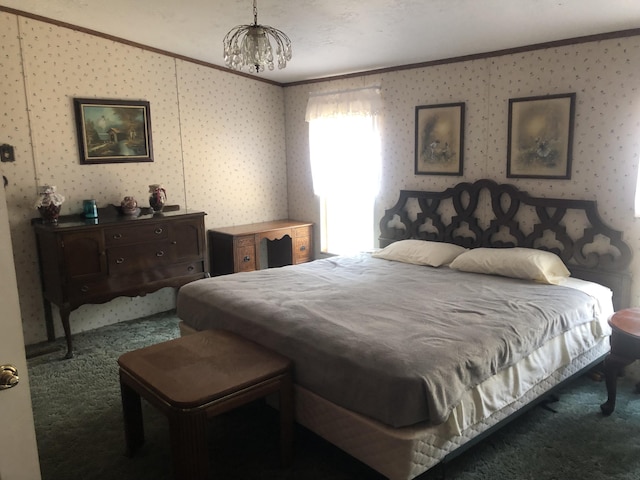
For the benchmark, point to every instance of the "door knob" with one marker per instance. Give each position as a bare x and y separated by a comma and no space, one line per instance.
8,376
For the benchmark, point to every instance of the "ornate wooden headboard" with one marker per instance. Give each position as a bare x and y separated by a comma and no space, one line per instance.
488,214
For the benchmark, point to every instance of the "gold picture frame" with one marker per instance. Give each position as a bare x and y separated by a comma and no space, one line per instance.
113,131
439,148
540,138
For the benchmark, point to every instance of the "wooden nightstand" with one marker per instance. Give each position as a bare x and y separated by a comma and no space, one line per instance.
625,348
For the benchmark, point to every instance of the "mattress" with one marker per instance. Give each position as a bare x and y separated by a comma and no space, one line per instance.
281,309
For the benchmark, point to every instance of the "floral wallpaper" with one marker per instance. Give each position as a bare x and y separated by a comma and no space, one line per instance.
237,148
232,146
603,74
218,143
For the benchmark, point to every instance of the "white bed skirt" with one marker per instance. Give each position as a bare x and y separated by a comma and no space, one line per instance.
404,453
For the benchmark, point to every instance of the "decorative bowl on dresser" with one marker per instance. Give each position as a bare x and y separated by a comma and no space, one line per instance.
89,261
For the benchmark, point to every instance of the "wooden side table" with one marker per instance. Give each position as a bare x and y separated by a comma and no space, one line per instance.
625,348
244,248
193,378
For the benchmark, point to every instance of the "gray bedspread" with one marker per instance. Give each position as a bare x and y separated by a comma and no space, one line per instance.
396,342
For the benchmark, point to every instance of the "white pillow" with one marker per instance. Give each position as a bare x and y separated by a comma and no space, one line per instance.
420,252
527,263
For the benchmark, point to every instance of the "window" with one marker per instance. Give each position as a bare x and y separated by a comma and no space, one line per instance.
344,144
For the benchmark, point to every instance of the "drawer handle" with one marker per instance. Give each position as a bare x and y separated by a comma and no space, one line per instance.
84,289
190,268
120,260
160,254
158,231
247,258
117,236
303,248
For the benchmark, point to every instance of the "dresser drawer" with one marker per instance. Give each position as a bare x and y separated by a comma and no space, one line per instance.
302,250
246,241
302,231
174,271
134,258
81,292
245,258
135,234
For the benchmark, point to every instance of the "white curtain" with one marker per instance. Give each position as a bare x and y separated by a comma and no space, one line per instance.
344,143
356,102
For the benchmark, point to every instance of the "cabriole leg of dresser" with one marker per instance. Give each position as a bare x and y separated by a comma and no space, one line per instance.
48,321
64,316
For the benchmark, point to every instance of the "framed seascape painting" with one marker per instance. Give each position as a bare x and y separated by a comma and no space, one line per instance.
540,136
439,139
113,131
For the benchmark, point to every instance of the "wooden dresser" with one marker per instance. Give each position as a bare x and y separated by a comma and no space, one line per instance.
93,261
255,246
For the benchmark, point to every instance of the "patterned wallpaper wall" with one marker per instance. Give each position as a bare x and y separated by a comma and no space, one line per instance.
238,148
218,142
604,75
233,146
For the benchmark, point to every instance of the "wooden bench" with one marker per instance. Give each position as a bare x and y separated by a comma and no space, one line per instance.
193,378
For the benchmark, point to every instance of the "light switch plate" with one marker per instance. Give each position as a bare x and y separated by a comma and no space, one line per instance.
6,153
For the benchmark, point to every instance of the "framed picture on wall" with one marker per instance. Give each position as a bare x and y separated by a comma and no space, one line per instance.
439,139
113,131
540,136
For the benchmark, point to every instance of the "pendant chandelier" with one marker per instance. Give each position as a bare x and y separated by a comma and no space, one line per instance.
249,45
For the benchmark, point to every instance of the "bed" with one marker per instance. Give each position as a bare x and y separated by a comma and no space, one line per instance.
482,302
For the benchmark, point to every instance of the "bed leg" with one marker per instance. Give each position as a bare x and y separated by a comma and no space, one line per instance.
438,471
549,399
442,471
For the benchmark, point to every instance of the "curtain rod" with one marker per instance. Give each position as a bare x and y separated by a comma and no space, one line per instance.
336,92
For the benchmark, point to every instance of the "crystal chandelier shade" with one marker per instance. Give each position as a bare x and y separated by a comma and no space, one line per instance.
250,45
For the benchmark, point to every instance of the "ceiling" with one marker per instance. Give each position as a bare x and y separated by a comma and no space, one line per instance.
337,37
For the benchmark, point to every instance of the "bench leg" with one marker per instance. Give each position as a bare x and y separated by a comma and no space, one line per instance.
286,421
132,415
189,445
